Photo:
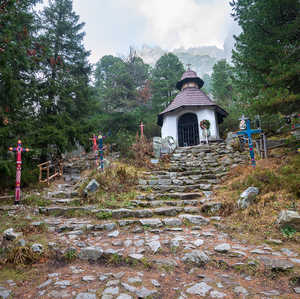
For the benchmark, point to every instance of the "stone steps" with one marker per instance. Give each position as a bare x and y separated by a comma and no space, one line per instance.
176,188
159,203
118,213
178,182
160,196
168,223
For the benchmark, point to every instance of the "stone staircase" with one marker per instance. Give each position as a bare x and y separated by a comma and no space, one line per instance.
178,191
193,169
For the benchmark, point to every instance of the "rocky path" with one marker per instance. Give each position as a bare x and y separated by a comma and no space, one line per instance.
164,245
156,260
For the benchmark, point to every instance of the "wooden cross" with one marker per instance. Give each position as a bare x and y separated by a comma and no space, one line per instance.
246,130
101,148
94,139
142,129
19,149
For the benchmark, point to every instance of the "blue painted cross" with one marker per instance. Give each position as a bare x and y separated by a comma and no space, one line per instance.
100,144
101,149
245,126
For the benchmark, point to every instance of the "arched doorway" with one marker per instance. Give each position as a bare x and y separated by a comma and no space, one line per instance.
188,130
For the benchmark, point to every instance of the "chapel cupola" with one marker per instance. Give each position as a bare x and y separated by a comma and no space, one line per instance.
189,79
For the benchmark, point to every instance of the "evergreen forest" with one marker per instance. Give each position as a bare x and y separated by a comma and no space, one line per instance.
54,99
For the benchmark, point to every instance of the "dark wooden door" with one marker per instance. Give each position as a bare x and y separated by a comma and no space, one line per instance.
188,130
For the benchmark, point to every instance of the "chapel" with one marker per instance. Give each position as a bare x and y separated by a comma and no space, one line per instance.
187,113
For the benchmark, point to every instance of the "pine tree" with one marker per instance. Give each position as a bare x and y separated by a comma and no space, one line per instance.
267,54
19,60
119,82
115,85
166,73
67,100
221,83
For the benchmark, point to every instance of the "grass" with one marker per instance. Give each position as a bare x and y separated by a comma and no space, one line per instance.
36,201
117,187
20,223
70,255
10,272
22,255
279,183
104,215
288,232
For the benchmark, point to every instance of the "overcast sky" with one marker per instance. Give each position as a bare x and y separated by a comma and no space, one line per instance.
112,26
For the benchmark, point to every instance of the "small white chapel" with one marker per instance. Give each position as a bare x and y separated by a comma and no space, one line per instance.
183,119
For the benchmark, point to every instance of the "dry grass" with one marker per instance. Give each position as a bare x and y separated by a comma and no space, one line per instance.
22,255
117,186
279,184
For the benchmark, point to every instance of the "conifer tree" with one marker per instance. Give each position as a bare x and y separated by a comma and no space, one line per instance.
166,73
19,61
115,85
67,101
267,54
221,84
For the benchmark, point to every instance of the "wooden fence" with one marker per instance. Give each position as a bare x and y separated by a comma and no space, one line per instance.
52,170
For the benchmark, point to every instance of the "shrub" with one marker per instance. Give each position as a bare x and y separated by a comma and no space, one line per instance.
143,151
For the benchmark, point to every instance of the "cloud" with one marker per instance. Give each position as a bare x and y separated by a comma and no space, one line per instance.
114,25
185,23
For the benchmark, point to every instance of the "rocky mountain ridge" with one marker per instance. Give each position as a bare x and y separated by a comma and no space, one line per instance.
202,59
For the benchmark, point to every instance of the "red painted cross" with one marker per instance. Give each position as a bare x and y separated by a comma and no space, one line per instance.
95,148
19,149
142,129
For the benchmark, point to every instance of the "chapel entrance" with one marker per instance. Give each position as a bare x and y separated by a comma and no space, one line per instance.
188,130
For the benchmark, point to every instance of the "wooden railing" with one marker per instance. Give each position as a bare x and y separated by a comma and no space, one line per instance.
46,166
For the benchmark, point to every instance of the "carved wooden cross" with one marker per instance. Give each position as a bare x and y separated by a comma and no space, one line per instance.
19,149
247,131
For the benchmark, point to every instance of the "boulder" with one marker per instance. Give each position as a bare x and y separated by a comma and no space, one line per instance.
289,218
223,248
230,139
168,145
154,245
211,208
196,257
200,289
146,293
247,197
37,248
276,264
157,144
5,293
86,296
91,253
92,186
11,235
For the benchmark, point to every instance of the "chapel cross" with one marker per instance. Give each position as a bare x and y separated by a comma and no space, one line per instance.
188,66
245,126
19,149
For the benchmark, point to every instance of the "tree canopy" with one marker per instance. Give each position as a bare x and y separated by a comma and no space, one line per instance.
166,73
267,53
